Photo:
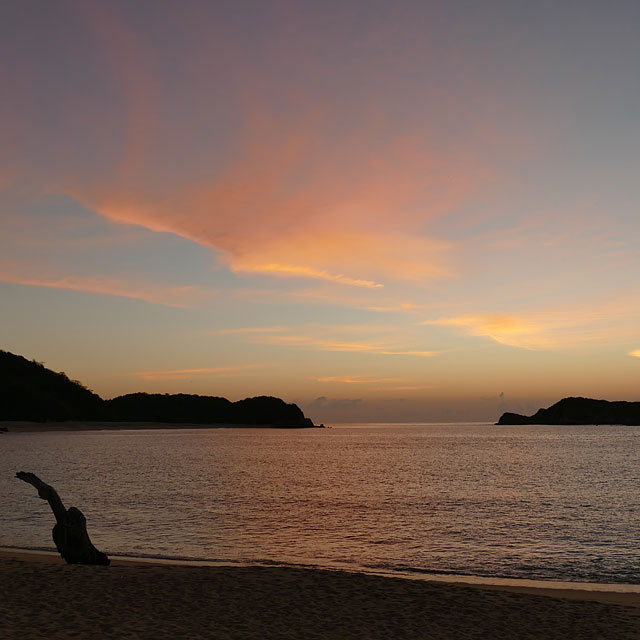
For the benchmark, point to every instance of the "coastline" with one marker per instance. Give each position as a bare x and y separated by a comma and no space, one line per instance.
146,599
80,425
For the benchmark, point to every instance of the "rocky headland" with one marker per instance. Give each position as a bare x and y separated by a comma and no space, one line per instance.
580,411
29,392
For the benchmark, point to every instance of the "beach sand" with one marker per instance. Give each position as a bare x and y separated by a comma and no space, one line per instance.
43,598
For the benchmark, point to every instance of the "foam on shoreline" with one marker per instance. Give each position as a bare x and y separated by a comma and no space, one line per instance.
617,593
44,598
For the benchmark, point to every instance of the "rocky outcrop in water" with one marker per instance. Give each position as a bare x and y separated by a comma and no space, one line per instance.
580,411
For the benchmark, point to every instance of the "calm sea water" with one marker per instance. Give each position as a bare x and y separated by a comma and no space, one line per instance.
524,502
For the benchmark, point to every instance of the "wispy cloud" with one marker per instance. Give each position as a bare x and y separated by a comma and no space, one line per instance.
402,307
382,384
391,300
329,338
182,374
249,330
359,379
411,387
130,67
292,202
7,176
505,329
554,328
182,296
304,272
321,344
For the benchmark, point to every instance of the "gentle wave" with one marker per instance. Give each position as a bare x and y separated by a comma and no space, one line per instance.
439,500
409,573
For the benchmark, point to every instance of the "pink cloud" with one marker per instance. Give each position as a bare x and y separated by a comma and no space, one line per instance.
129,66
182,296
295,201
293,184
7,176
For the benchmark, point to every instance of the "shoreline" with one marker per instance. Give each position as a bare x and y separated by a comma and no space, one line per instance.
44,597
611,593
74,426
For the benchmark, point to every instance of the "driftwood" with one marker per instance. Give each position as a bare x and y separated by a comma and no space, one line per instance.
70,531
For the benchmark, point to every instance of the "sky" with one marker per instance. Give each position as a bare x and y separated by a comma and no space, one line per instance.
408,211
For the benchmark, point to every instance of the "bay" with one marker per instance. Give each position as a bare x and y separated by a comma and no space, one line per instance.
540,502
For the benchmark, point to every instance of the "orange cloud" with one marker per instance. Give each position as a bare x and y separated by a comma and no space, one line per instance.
293,201
413,387
389,255
182,374
593,321
356,379
505,329
402,307
333,338
382,384
168,296
303,272
635,353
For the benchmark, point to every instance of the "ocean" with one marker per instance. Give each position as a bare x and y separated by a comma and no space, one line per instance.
537,502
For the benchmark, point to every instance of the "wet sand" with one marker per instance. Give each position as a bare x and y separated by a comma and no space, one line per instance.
44,598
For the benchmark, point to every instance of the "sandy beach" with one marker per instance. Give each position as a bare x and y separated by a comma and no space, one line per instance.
44,598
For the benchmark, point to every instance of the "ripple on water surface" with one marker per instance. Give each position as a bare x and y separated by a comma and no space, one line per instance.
521,502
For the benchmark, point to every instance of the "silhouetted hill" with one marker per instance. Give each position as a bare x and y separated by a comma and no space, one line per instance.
580,411
194,409
31,392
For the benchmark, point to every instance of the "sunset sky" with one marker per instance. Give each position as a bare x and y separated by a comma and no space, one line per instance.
382,211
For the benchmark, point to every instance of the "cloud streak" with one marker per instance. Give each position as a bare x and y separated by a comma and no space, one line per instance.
303,272
183,374
360,379
509,330
182,296
555,328
382,384
329,338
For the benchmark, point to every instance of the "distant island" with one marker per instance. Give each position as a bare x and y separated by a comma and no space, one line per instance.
580,411
29,392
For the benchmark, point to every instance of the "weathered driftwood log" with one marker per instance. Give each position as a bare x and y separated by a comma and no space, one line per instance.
70,531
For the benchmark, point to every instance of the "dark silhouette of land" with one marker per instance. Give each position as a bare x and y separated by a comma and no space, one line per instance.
32,393
70,531
194,409
580,411
29,391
